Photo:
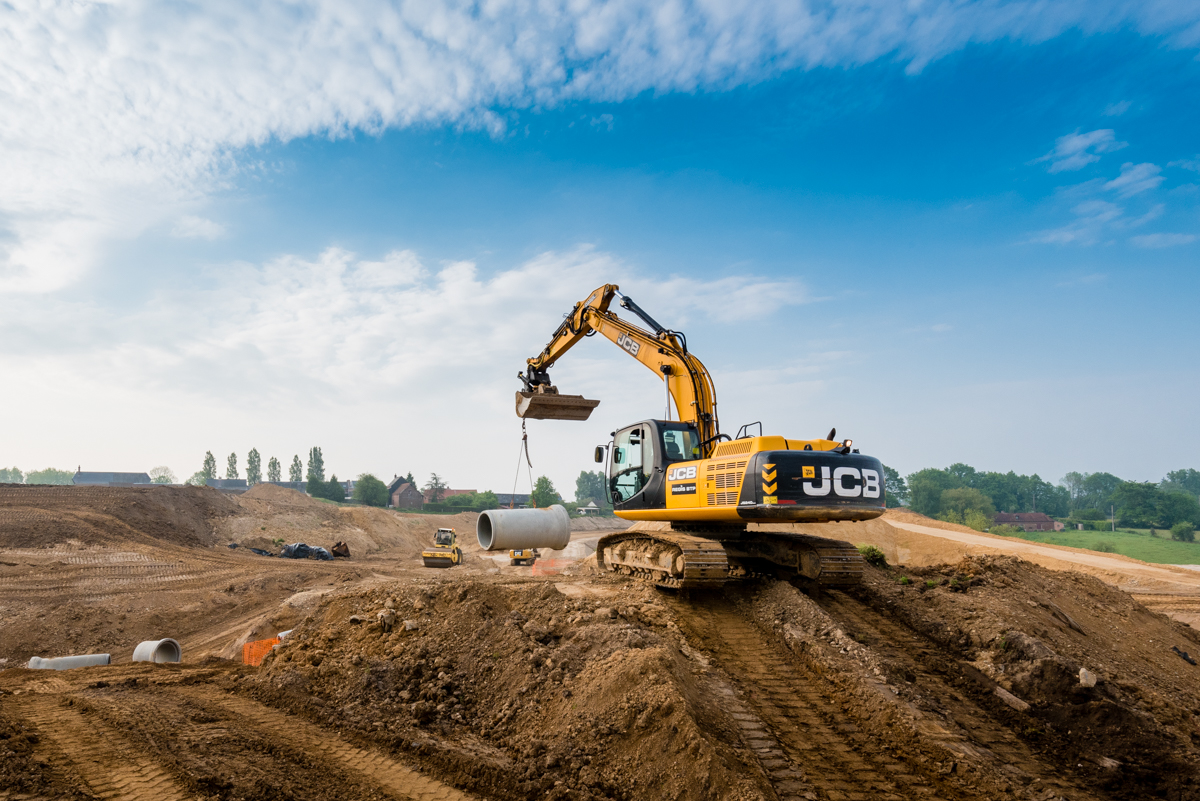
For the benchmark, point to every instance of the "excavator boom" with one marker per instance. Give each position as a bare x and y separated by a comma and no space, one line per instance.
661,350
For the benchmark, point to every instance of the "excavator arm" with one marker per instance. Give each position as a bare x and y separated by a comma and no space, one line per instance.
661,350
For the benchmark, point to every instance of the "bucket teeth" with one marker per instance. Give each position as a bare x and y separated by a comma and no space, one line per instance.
538,406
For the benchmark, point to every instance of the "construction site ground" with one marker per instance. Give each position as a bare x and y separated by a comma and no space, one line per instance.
973,667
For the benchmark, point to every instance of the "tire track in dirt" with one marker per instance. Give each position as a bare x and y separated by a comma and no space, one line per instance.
379,768
818,757
99,755
898,644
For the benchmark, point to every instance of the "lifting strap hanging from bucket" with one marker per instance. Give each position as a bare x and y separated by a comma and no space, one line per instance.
524,447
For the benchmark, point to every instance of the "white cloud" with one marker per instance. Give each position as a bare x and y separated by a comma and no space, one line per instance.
1116,109
189,227
1162,240
1091,217
1075,151
114,117
1187,164
1135,179
339,328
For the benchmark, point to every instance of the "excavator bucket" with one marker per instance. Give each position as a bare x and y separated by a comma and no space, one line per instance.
538,406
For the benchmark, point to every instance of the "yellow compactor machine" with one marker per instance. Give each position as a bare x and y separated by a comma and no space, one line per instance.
702,495
445,551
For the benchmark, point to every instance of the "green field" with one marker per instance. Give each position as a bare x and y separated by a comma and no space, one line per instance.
1129,542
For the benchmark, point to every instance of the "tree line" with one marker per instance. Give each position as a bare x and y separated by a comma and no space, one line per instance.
962,494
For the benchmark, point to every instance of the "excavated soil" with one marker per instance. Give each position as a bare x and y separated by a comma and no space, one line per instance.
986,678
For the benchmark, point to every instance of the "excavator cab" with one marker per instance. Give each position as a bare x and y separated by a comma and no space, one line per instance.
640,457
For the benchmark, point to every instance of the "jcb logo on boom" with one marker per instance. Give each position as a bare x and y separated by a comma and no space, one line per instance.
629,344
681,473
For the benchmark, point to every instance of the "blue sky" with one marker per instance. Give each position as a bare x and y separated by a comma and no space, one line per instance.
979,245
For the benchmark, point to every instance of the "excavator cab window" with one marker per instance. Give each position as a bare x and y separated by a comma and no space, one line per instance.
680,444
632,463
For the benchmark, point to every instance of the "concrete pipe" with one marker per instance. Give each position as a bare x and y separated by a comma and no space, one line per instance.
165,650
508,529
68,662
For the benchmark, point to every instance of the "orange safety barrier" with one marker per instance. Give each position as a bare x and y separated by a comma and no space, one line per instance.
253,653
551,567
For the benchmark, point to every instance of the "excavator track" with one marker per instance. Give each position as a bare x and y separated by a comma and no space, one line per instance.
668,558
691,560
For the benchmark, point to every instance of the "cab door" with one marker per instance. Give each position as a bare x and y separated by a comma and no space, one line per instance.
634,475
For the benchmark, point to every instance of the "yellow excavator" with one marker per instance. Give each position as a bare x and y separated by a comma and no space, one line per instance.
702,497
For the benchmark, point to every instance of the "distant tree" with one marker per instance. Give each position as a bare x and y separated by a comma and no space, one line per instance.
976,519
296,471
895,490
370,490
1073,483
11,475
486,500
966,499
544,494
210,466
198,479
925,489
1184,532
273,471
1136,503
409,479
50,476
331,490
464,500
1096,491
231,470
1185,481
1177,507
436,486
316,466
590,487
335,491
162,475
253,467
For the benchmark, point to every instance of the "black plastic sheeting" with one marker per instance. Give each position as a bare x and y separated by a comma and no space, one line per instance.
300,550
297,550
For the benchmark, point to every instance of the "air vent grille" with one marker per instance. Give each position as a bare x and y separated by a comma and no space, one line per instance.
733,448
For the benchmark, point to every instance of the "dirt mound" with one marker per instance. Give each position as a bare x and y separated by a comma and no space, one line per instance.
1108,691
515,690
44,516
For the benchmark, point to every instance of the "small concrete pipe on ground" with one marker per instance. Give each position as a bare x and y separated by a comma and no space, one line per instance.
165,650
68,662
515,529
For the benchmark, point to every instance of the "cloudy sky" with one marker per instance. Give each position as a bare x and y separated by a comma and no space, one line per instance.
958,231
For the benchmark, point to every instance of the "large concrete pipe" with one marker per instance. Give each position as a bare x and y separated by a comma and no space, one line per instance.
165,650
507,529
68,662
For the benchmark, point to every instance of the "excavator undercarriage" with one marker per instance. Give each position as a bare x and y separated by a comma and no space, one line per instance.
698,557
